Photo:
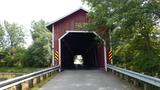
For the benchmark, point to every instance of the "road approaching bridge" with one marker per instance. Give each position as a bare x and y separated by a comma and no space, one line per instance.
86,80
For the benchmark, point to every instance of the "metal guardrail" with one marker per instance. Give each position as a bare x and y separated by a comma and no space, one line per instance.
15,81
145,78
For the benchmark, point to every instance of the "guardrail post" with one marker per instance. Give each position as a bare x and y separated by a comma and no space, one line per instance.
51,73
146,86
38,79
35,81
25,85
30,83
41,78
18,87
112,71
44,76
47,75
59,70
135,82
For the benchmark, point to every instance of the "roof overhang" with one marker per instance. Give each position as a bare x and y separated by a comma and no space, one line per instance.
49,26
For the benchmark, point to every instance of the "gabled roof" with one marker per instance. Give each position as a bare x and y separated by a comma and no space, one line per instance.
49,26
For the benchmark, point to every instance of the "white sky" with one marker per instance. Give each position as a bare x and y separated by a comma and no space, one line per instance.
24,11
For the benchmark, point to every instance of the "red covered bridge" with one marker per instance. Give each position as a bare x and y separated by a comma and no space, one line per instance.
69,41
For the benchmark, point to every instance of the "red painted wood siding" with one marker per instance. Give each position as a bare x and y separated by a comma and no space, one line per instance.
68,23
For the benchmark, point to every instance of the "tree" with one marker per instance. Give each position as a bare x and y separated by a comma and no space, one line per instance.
134,30
39,53
14,35
11,42
1,37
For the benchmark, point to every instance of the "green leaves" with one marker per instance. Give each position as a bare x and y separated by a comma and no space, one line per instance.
1,36
11,44
14,35
135,30
12,41
39,53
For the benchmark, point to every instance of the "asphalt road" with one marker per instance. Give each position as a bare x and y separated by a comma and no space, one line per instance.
86,80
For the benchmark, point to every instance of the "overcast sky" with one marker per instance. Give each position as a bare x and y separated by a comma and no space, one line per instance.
24,11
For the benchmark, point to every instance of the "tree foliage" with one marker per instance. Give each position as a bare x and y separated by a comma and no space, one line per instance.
11,42
12,50
39,53
14,60
135,31
14,35
1,36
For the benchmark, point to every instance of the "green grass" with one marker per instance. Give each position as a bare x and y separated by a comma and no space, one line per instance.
18,69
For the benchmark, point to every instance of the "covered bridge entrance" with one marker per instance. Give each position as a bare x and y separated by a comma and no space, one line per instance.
68,40
82,43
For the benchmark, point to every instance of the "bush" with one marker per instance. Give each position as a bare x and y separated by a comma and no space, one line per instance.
13,60
38,55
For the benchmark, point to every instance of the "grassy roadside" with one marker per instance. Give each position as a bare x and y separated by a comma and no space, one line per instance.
18,69
38,86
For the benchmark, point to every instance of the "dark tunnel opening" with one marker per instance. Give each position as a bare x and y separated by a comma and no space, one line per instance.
83,44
